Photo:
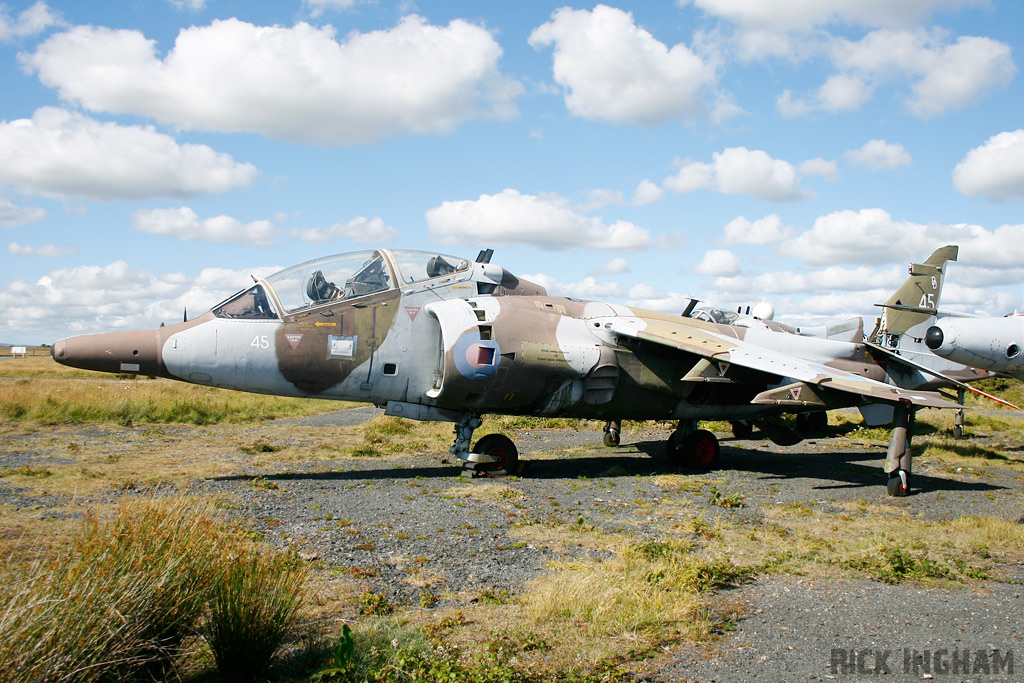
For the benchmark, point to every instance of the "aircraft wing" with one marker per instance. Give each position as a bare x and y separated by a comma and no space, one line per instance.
811,382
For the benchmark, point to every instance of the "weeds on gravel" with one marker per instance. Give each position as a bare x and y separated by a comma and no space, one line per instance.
385,435
894,564
965,453
122,600
374,604
395,652
648,593
882,544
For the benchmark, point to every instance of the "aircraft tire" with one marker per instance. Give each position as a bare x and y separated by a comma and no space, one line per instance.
699,450
612,438
501,447
895,487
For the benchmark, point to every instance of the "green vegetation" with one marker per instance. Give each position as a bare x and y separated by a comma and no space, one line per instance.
39,391
252,608
649,593
394,651
126,596
1006,388
876,541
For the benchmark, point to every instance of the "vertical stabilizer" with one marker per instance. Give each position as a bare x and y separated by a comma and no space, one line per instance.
916,302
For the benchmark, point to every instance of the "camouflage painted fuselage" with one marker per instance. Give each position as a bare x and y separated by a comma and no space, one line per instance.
479,340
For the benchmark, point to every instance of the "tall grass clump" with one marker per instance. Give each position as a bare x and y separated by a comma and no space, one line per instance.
252,609
123,599
123,596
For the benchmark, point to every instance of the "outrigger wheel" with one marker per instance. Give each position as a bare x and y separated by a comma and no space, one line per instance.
612,433
898,484
501,447
699,449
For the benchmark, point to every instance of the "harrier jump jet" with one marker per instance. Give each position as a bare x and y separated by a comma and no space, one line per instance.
429,336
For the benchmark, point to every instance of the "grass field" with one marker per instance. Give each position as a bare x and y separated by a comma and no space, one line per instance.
94,442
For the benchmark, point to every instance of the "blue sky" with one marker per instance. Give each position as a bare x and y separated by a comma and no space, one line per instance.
155,154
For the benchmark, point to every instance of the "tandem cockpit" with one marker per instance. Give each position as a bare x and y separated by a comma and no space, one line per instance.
354,275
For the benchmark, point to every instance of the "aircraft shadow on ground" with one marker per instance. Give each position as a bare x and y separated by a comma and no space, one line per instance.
835,470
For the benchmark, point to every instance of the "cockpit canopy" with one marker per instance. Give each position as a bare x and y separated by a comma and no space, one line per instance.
339,277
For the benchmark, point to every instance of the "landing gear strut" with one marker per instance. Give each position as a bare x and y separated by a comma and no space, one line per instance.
692,447
612,432
742,429
898,457
958,418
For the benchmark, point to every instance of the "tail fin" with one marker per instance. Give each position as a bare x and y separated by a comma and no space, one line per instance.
916,302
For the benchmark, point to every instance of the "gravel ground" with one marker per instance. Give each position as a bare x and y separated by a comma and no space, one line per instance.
405,523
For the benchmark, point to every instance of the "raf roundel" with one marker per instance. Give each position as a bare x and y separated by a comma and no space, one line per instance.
476,358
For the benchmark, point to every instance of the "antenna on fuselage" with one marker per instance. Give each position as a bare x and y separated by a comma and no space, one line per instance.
185,316
484,256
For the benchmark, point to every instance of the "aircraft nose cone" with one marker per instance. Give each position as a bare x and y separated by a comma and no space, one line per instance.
59,350
132,352
933,338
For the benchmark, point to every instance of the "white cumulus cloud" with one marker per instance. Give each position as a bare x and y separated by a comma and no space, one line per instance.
718,263
941,75
614,70
995,170
63,153
29,22
879,155
616,266
46,250
738,170
95,298
874,236
185,224
647,192
767,230
299,83
544,221
12,215
930,72
819,167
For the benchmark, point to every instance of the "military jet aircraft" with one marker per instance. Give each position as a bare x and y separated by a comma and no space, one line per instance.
430,336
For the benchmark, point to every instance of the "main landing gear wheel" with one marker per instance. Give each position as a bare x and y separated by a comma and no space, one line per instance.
501,447
699,450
